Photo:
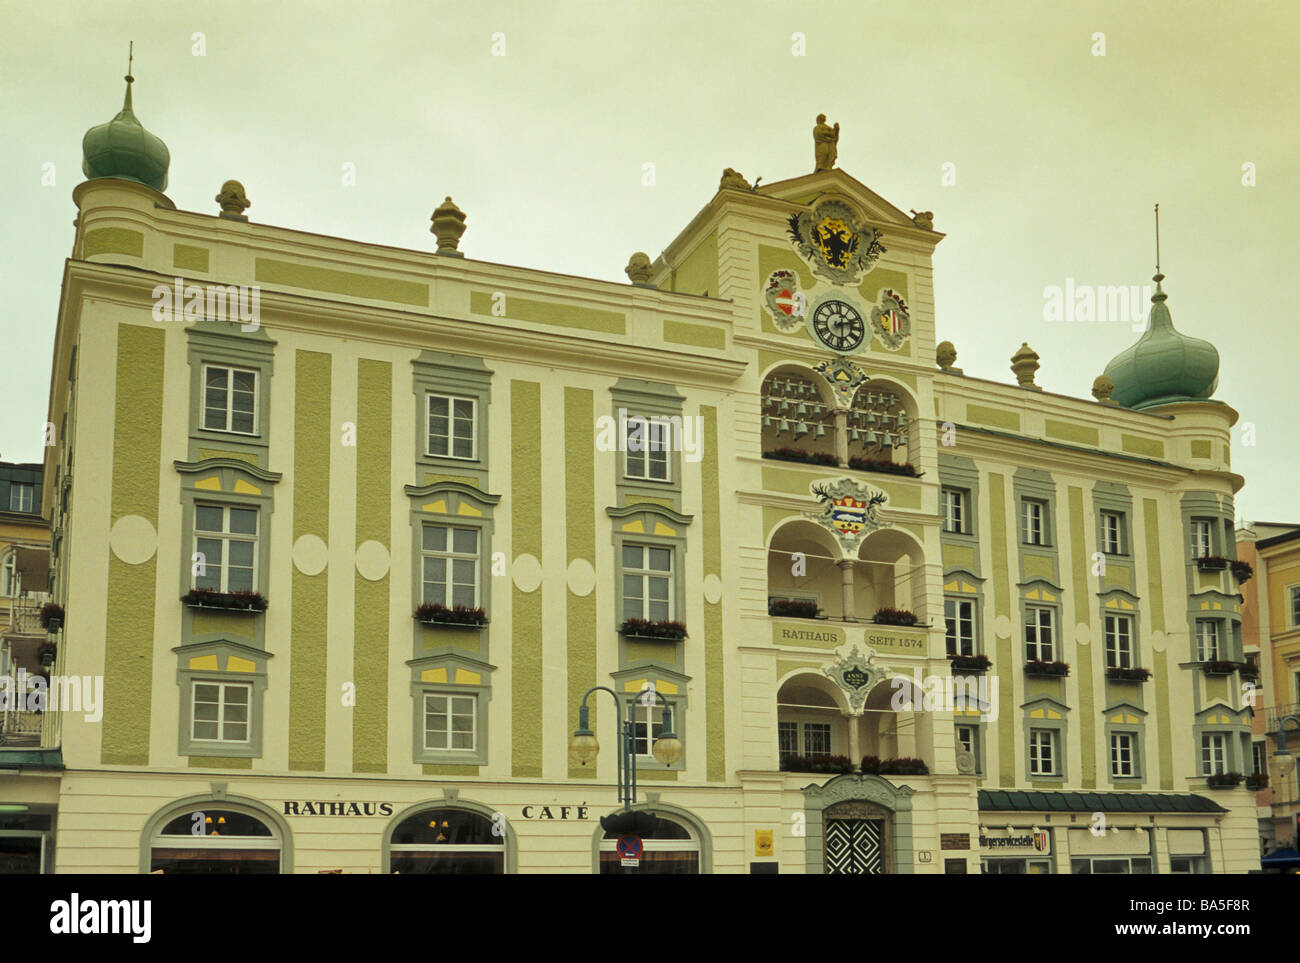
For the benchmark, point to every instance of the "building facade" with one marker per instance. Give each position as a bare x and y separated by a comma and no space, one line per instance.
1273,599
348,559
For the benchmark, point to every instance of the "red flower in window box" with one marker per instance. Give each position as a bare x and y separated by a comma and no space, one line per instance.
650,629
231,601
431,613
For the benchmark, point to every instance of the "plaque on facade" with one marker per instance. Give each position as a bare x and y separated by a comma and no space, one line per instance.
857,674
954,840
850,512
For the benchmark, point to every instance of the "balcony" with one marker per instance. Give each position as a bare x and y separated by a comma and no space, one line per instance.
21,616
20,729
1277,713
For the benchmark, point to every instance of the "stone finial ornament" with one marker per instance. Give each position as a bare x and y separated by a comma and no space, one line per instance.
734,180
638,270
448,226
944,355
1023,365
1101,389
233,201
826,142
923,219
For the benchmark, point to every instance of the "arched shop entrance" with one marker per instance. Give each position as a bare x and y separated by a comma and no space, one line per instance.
858,825
670,842
217,837
439,838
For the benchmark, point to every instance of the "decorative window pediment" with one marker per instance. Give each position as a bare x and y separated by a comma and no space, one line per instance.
1045,710
644,518
451,498
451,667
963,582
669,683
1040,590
222,655
1124,714
227,476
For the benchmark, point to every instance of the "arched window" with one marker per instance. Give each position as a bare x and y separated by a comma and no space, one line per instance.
213,839
671,847
446,841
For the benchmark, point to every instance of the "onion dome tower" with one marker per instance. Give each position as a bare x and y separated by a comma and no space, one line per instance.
1165,366
122,148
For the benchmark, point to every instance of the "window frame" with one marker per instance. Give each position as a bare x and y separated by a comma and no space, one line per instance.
449,556
1043,536
1037,625
1217,626
451,697
1293,595
220,722
953,645
16,489
226,537
1132,748
230,369
1114,538
1202,526
1112,640
954,498
1035,752
661,426
645,574
452,418
1207,753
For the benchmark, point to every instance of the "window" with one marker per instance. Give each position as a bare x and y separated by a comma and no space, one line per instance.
1123,759
1201,544
450,560
647,443
670,849
1214,753
22,496
1035,532
959,626
439,841
213,840
450,722
647,581
225,538
1207,640
966,739
1259,756
1015,867
1111,866
1042,752
816,739
647,727
1112,533
787,735
1197,865
451,426
221,711
1039,634
954,510
9,583
1295,606
1119,642
229,399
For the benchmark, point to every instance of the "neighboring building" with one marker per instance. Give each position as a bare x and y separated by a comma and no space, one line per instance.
401,427
1274,594
26,834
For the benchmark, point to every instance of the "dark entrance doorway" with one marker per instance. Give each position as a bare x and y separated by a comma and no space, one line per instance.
855,847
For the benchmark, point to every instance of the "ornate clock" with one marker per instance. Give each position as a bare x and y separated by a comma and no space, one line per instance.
838,326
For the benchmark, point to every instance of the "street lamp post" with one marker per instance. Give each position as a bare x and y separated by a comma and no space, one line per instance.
583,746
1285,761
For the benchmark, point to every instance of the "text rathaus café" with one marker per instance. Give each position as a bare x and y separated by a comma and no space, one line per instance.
351,531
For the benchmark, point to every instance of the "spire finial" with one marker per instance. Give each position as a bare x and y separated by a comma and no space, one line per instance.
1157,239
130,60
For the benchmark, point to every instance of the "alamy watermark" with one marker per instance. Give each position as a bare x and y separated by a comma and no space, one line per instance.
656,433
237,303
61,693
1087,302
946,693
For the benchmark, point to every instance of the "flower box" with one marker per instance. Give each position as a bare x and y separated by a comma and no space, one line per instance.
226,601
458,616
1212,563
1117,673
46,652
1051,669
799,455
824,764
793,609
969,663
52,616
647,629
907,469
1220,667
1257,781
902,766
1224,780
1242,571
894,617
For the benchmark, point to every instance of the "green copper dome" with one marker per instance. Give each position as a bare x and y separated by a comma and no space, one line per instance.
123,148
1164,366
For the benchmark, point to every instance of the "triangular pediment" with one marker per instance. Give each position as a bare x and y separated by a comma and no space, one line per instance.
810,188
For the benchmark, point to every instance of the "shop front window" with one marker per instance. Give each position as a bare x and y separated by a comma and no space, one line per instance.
215,841
440,841
670,849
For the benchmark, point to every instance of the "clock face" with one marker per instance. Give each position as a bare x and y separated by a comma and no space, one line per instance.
838,326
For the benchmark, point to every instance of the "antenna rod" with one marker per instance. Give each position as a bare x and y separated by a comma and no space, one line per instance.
130,60
1157,239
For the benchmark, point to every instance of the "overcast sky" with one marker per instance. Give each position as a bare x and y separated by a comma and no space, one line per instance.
1058,153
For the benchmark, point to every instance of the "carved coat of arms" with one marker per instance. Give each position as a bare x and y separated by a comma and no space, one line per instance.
856,673
785,301
891,320
835,241
850,512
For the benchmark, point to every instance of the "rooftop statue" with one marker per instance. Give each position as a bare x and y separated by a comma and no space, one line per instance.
826,141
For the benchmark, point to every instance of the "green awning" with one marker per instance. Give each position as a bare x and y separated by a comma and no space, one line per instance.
1017,801
31,758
